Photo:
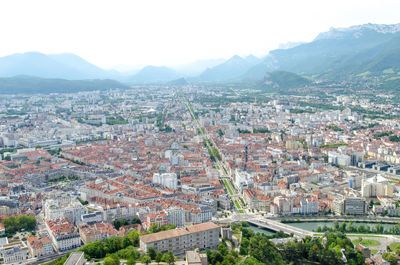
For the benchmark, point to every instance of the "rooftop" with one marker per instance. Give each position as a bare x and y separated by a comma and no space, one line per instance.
178,232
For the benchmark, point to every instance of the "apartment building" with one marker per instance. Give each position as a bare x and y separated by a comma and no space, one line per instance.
202,236
168,180
63,234
16,252
354,206
350,206
176,216
97,231
160,219
39,247
118,211
92,217
376,186
57,209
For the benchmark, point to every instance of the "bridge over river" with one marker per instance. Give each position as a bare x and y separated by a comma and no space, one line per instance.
266,223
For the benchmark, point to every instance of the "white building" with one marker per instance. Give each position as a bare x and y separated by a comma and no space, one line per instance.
110,213
16,252
169,180
339,159
176,216
60,209
201,215
92,217
309,206
243,180
376,186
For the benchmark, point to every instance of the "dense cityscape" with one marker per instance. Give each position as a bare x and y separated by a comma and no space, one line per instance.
199,132
168,167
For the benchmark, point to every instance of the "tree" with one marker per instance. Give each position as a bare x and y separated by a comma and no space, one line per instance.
136,220
222,249
131,261
247,233
152,253
113,244
264,250
170,258
390,257
126,242
158,257
111,260
14,224
252,261
214,256
244,246
145,259
120,222
134,237
94,249
153,228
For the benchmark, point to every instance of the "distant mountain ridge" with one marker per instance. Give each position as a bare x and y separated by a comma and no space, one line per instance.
28,85
340,32
67,66
353,50
361,51
232,69
154,74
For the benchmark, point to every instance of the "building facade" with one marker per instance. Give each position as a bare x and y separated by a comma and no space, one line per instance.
39,247
16,252
202,236
63,234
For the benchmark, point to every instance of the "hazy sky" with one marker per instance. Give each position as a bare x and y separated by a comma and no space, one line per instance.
170,32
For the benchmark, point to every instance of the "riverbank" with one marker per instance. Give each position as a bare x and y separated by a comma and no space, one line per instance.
326,220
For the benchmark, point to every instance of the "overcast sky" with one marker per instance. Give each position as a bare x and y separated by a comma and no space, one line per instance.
171,32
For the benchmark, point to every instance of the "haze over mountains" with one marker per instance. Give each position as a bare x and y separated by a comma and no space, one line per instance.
359,51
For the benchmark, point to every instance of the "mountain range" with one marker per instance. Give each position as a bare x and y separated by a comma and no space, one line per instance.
28,84
67,65
230,70
337,53
362,51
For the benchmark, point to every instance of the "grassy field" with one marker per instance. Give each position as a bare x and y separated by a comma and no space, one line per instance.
374,251
395,247
366,242
355,235
362,235
228,187
238,206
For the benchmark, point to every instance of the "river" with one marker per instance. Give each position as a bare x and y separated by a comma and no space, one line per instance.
312,226
260,230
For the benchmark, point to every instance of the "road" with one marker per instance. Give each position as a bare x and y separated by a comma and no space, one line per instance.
220,163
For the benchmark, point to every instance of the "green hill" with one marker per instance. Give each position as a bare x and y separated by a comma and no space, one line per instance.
282,80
